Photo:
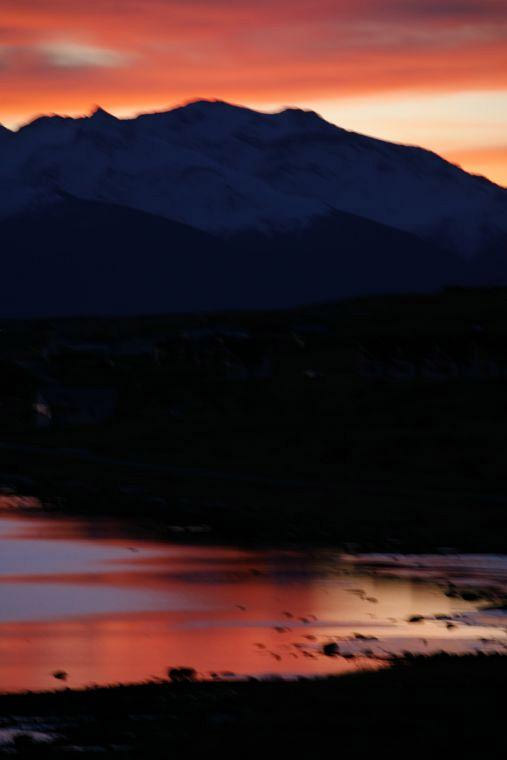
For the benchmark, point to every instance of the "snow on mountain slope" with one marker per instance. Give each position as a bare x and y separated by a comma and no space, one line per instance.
226,169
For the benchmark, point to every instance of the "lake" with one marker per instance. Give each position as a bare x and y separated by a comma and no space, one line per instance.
89,598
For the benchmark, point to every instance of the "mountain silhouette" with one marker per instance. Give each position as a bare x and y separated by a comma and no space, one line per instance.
213,206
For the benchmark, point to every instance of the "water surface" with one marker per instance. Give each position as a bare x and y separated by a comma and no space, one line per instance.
85,597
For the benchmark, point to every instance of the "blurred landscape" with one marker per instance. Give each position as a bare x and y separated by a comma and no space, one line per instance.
253,375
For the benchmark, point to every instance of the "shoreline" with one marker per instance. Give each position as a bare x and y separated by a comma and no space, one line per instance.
439,702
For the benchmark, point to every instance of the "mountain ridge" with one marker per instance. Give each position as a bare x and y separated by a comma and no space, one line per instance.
116,263
97,110
211,206
225,168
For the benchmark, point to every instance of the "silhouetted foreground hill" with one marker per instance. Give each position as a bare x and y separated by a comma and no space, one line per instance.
81,257
419,707
377,421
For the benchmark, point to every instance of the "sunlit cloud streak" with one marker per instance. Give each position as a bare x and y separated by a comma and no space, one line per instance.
75,55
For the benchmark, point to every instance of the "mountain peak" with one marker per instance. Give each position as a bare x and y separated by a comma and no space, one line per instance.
212,104
211,108
302,115
214,107
98,114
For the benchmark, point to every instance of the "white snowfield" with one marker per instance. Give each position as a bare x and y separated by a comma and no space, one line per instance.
223,169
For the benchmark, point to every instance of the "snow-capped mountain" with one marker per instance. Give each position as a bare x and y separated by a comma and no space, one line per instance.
225,169
212,206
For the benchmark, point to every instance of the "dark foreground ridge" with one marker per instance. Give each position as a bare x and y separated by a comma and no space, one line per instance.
378,422
419,705
122,261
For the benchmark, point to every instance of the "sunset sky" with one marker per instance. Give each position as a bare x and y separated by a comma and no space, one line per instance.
430,72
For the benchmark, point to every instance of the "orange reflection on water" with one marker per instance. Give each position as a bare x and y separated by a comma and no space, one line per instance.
133,648
87,598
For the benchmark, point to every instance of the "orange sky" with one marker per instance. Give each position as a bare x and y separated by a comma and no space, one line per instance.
431,72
